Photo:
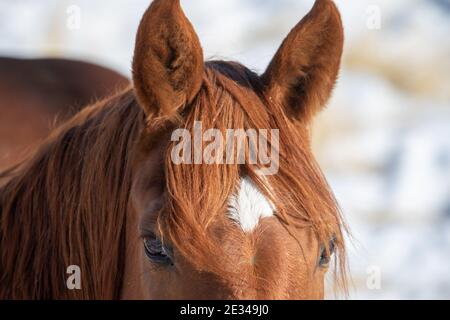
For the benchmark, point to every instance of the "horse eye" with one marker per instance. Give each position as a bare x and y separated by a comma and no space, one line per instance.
156,251
325,255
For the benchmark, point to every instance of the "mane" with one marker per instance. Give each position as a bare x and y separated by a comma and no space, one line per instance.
68,204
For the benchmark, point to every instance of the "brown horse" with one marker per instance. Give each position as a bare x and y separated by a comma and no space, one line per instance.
104,193
36,95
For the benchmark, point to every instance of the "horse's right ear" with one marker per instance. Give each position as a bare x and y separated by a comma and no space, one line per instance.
168,60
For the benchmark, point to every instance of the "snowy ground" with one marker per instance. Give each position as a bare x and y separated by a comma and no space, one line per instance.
383,142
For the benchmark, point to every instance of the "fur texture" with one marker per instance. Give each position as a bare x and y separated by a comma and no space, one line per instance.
303,73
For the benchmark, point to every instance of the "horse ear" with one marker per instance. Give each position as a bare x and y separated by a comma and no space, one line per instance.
303,73
168,60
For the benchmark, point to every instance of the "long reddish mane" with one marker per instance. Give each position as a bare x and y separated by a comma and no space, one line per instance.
68,205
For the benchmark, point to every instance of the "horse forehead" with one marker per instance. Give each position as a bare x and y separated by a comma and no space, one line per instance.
249,205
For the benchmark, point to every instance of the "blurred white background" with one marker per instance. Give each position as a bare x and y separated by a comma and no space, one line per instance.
384,141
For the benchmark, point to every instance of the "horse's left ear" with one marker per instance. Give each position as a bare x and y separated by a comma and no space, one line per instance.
303,73
168,60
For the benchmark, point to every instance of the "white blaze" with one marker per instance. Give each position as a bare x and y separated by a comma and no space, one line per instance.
249,205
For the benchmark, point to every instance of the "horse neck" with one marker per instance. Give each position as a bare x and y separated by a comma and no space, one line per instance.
67,206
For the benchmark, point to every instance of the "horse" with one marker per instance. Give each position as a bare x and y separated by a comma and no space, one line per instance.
38,94
103,211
